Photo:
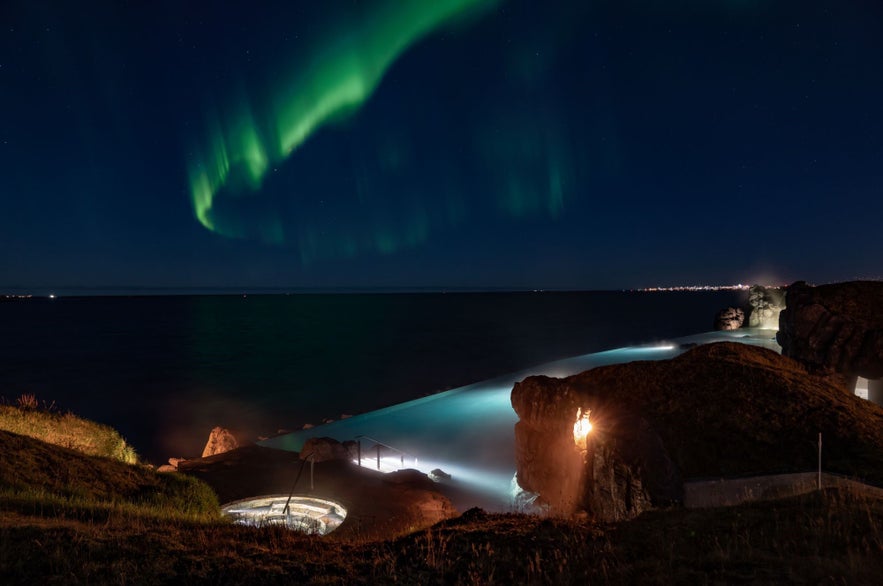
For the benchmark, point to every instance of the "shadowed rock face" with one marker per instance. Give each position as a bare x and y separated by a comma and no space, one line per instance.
624,471
835,327
719,410
730,318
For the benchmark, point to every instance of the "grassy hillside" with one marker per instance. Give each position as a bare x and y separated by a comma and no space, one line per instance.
830,537
70,518
36,474
65,430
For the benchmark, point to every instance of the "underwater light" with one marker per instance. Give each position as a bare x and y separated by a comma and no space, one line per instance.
477,478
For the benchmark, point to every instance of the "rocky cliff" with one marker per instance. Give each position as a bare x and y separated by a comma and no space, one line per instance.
765,304
623,471
719,410
835,327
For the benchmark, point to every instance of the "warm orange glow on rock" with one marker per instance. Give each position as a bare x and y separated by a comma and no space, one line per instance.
581,428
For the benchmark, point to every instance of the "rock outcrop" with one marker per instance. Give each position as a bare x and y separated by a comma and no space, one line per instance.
438,475
836,327
424,503
172,466
623,472
730,318
220,440
718,410
766,304
323,449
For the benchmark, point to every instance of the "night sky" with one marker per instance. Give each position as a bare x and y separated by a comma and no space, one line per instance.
444,143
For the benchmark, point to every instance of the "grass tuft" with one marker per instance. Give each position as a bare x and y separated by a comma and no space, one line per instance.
65,430
27,402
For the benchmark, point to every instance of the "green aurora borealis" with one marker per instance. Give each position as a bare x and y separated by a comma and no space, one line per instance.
399,144
341,73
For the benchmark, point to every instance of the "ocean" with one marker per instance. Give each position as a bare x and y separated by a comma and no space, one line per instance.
164,370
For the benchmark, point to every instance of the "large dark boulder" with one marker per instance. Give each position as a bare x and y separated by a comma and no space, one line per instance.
718,410
837,327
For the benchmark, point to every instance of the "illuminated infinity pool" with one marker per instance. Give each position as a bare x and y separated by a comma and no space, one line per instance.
299,513
468,432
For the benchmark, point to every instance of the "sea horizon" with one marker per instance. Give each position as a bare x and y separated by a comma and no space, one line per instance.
165,369
153,291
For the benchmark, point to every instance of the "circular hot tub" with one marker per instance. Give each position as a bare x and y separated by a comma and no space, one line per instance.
297,512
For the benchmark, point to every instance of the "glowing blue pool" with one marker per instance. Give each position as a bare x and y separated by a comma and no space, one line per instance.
468,432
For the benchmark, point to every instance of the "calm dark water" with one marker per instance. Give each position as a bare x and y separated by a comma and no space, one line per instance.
165,370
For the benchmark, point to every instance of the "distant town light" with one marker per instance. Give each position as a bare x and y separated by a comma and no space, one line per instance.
737,287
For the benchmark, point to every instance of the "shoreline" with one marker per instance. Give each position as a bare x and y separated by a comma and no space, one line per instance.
266,363
468,431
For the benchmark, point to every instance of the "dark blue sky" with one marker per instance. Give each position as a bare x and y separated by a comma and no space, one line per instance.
584,144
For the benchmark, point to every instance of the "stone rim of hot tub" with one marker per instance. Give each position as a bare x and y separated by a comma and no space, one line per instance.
298,512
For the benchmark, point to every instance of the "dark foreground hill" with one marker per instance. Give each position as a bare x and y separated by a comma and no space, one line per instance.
827,537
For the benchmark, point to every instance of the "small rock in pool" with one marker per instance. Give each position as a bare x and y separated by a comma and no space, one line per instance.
438,475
